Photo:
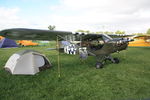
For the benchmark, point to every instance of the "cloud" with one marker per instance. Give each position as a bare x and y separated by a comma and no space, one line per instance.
95,15
10,19
128,15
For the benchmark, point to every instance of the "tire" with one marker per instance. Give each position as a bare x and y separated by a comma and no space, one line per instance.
99,65
116,60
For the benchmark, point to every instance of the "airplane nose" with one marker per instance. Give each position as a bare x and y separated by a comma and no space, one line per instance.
119,42
130,40
122,46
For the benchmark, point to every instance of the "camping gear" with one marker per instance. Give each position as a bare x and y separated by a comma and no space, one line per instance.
83,53
7,43
27,62
1,37
27,43
70,49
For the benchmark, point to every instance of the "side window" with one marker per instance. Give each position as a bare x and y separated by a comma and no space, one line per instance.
101,41
97,44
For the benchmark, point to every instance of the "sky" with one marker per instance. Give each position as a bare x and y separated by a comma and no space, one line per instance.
131,16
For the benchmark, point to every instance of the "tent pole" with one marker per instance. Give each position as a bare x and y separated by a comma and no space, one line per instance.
58,56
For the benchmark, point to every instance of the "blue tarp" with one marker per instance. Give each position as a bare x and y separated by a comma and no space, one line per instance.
7,43
65,43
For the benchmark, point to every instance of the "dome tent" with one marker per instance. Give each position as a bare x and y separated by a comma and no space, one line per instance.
27,62
7,43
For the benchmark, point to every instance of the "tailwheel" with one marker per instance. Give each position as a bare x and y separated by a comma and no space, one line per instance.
99,65
116,60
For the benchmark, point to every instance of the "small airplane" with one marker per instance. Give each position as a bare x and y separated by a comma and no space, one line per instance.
140,41
99,45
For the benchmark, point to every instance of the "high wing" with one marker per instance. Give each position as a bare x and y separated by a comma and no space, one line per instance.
120,35
38,34
142,36
32,34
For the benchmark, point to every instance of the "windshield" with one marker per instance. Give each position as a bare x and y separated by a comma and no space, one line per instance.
106,38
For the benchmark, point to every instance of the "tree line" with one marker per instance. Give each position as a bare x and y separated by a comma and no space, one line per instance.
116,32
53,27
102,32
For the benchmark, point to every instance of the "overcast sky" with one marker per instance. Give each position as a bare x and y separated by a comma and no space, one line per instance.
70,15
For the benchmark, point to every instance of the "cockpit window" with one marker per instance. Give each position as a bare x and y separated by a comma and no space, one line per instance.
97,44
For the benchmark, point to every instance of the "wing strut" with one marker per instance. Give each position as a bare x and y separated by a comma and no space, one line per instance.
58,56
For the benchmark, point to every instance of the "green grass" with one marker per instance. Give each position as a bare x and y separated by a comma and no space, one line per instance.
130,79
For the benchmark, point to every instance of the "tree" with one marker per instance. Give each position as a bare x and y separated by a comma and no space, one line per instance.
51,27
84,31
120,32
99,32
138,33
148,31
108,32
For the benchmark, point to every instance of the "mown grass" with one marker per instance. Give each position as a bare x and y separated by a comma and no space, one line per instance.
130,79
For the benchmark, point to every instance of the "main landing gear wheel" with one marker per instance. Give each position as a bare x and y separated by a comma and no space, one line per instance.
99,65
116,60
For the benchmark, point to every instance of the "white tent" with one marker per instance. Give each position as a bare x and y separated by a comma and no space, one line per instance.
27,62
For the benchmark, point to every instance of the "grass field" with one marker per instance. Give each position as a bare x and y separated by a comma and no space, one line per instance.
128,80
